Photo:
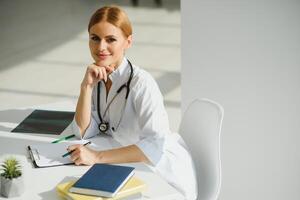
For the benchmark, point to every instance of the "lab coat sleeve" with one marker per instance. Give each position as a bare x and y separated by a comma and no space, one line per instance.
152,120
92,129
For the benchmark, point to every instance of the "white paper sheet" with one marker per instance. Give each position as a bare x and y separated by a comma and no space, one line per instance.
47,155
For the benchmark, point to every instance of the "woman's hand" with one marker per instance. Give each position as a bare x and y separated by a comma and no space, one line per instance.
94,74
83,155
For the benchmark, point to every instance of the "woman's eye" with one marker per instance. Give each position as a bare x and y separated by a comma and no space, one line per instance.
110,40
94,38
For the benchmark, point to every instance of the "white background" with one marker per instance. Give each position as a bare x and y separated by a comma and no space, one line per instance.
246,56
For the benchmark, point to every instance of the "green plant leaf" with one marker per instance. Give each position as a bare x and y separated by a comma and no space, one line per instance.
11,168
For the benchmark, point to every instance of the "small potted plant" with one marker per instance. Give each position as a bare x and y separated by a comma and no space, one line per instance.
12,184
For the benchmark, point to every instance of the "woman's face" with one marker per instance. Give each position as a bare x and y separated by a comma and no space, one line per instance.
107,44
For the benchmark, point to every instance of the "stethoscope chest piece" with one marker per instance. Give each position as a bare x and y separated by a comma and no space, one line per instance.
103,127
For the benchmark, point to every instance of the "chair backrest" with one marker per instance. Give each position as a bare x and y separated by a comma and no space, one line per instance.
200,128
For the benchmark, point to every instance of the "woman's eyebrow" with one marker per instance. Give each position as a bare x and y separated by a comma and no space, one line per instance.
110,36
107,36
93,34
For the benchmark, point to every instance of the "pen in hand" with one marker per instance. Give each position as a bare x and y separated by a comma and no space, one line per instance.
70,152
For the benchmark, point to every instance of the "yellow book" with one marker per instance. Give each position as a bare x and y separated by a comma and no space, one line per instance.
133,186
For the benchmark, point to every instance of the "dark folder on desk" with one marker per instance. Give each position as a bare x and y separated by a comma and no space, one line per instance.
45,122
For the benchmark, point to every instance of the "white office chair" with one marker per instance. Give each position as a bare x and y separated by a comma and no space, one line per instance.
200,128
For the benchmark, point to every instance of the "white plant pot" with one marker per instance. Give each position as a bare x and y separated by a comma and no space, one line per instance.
12,187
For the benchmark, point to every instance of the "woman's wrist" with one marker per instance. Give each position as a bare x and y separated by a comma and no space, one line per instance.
100,157
85,87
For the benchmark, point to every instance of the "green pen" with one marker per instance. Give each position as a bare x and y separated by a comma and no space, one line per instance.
70,152
63,138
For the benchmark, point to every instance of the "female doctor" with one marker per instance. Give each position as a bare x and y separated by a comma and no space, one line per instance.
123,101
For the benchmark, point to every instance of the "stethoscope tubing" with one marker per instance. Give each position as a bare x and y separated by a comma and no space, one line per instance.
127,86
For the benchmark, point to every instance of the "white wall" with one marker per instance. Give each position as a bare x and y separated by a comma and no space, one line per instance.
246,55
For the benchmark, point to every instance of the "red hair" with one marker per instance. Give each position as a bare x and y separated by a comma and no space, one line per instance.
113,15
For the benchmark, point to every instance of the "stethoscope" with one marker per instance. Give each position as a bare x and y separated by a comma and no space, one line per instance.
104,126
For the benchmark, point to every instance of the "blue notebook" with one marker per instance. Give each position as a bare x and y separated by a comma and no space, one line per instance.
103,180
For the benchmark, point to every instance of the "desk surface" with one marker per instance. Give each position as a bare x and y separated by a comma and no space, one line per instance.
40,183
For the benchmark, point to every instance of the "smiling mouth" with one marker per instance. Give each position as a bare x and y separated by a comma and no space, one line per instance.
103,56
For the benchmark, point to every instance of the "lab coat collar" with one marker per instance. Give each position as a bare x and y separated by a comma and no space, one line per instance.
118,74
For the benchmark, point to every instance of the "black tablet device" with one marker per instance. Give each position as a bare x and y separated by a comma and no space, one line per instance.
45,122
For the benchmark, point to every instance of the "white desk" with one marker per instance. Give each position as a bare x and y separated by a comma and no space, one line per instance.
40,183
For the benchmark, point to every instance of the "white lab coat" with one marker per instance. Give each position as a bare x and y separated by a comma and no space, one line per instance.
144,123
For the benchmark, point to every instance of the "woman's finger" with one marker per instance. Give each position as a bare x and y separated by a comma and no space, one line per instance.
74,155
96,73
73,147
93,72
109,69
78,161
100,74
104,74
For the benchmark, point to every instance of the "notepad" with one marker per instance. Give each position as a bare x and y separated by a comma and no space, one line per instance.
103,180
133,188
49,155
45,122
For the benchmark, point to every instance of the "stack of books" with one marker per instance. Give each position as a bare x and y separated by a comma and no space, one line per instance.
103,182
